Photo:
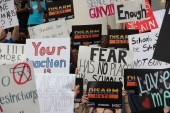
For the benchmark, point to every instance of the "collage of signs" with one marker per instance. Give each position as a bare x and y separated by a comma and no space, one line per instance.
35,77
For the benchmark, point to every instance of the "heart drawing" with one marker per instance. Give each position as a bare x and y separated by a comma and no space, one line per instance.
146,103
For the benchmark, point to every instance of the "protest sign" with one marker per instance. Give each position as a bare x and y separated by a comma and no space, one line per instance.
102,8
8,14
158,109
159,15
55,29
86,33
143,46
118,38
105,94
145,25
49,55
55,92
80,92
163,44
154,87
18,89
60,9
12,52
102,64
124,12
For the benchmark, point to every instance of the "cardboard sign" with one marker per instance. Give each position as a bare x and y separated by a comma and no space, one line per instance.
60,9
145,25
159,15
143,46
163,44
86,33
8,15
154,87
55,92
124,12
130,81
79,86
18,89
55,29
105,94
118,38
102,64
49,55
12,52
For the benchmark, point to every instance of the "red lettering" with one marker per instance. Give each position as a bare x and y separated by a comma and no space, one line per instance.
36,47
92,15
42,51
59,49
52,51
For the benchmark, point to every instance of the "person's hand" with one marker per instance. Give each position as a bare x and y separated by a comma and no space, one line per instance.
84,99
124,94
76,71
167,109
1,29
15,8
75,92
86,43
108,27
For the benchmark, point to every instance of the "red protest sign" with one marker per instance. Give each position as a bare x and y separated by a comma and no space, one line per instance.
145,25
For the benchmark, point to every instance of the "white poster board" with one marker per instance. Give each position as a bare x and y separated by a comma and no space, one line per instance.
128,11
102,64
12,52
8,14
49,55
55,29
159,16
143,46
18,89
55,92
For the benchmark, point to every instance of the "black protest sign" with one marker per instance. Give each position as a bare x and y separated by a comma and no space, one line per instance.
79,87
60,9
86,33
154,87
118,38
152,110
161,52
105,94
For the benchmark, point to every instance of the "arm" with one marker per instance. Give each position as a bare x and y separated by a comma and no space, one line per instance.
24,9
73,59
40,9
15,33
127,106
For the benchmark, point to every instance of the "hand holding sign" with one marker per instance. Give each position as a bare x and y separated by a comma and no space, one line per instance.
1,30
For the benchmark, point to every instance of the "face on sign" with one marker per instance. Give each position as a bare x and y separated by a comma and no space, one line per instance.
3,35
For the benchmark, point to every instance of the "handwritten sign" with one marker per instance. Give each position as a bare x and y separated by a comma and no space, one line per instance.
49,55
55,92
55,29
12,52
102,64
145,25
124,12
102,8
18,89
143,46
8,14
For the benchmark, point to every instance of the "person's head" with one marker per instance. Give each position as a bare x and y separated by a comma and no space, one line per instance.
104,41
23,34
109,110
74,50
3,35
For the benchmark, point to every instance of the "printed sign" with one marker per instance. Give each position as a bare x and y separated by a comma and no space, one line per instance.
124,12
86,33
118,38
8,14
163,44
12,52
143,46
55,92
145,25
102,64
60,9
18,89
105,94
79,87
154,87
49,55
55,29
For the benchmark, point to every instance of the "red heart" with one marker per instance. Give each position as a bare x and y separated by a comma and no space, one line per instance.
146,103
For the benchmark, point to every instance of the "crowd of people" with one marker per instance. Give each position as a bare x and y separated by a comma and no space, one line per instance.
32,13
